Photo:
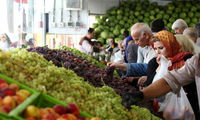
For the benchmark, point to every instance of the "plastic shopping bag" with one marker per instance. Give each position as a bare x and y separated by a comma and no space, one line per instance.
163,68
177,107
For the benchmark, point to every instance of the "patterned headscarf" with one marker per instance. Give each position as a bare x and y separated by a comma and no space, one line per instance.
173,48
169,41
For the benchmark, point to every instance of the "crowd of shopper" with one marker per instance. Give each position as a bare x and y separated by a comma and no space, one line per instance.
178,53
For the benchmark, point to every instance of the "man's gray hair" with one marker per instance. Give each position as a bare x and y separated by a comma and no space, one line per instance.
192,32
140,28
179,23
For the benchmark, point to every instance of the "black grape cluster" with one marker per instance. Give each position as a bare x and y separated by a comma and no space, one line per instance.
109,71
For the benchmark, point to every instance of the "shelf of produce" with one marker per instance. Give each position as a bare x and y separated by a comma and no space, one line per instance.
44,101
27,101
38,99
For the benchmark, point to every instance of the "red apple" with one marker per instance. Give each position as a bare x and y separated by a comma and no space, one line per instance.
60,118
2,81
79,117
69,116
72,108
49,117
43,112
14,86
2,95
9,101
32,111
59,109
18,99
8,91
3,85
1,101
23,94
5,109
50,110
31,118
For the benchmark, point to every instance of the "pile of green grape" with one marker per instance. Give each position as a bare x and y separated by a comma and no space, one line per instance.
37,73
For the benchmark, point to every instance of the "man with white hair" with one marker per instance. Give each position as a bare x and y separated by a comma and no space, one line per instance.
197,26
179,26
142,35
191,33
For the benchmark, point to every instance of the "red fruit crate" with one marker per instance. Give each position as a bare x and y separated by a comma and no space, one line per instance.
34,95
43,101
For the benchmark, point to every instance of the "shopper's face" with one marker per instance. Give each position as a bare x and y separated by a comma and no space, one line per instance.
191,38
110,40
160,49
179,30
91,35
3,38
142,39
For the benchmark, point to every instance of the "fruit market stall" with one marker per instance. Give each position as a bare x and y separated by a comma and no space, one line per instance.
34,71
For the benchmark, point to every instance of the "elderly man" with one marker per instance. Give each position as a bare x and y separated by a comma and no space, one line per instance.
142,35
179,26
197,26
191,33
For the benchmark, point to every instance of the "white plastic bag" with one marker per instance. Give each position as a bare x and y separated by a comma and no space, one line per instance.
177,107
163,68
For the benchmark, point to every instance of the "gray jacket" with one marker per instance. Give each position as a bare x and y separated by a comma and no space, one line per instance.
185,75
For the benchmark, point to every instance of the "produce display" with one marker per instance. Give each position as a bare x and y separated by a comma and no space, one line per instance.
35,72
58,112
83,56
11,96
96,76
121,18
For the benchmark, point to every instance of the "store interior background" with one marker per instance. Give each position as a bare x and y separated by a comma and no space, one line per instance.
46,21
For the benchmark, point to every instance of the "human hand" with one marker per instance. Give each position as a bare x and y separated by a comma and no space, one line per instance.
129,99
112,64
142,80
158,59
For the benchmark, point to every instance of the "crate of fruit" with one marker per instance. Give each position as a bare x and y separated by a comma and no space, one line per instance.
46,107
12,95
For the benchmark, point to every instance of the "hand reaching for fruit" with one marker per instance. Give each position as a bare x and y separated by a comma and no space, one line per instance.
117,66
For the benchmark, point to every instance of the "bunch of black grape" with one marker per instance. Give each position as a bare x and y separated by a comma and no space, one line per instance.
109,71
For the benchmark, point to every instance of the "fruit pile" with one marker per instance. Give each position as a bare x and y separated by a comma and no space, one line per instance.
96,76
58,112
11,96
37,73
83,56
121,18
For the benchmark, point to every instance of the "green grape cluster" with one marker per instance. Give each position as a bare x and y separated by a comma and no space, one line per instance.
37,73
